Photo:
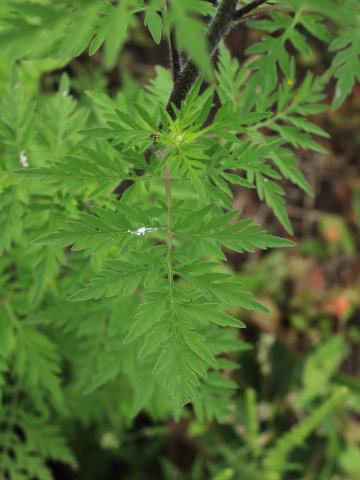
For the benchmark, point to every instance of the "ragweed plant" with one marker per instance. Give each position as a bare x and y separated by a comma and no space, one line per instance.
136,315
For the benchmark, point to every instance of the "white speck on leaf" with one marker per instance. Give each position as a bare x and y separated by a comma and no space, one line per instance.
23,159
142,231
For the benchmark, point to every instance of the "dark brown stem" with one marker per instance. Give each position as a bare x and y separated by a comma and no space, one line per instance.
174,53
218,28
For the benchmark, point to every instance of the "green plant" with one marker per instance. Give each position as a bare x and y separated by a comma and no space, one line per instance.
143,188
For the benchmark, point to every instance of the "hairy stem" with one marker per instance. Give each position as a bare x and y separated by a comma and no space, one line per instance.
218,28
174,53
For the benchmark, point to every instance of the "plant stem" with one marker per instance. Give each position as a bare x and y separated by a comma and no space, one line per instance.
170,272
174,54
175,60
168,229
218,28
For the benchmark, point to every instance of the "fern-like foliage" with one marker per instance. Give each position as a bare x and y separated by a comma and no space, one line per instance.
70,28
185,292
31,367
181,273
346,63
275,462
117,212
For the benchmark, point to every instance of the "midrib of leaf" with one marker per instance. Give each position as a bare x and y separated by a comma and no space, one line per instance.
120,177
282,39
216,236
140,272
282,114
285,35
144,178
60,132
170,272
10,210
272,120
101,344
110,233
41,270
292,25
17,122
